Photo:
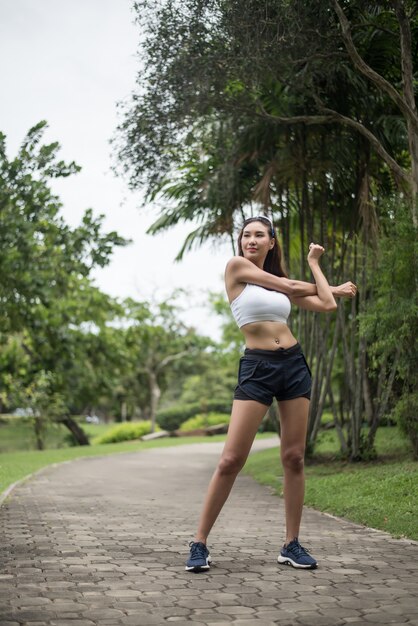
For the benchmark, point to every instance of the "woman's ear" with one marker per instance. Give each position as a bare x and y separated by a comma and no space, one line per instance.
272,244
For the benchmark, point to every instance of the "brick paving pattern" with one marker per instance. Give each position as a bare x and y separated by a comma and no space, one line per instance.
104,541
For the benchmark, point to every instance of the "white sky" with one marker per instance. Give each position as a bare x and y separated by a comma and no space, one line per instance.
70,63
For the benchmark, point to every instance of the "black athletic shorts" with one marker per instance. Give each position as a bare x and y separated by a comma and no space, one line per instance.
265,374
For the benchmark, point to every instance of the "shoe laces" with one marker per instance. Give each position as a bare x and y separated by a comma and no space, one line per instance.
296,549
197,549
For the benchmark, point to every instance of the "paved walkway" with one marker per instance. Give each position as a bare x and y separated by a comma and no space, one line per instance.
104,540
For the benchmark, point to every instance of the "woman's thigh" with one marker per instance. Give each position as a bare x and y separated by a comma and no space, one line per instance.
246,417
293,423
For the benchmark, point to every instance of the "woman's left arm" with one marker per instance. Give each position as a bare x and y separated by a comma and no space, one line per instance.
324,301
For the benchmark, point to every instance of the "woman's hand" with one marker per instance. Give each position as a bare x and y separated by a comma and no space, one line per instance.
315,252
346,290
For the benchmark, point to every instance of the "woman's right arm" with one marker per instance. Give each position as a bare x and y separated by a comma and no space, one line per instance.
241,270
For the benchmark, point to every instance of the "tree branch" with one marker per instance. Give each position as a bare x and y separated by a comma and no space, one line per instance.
172,357
399,173
367,71
297,119
319,55
330,117
375,26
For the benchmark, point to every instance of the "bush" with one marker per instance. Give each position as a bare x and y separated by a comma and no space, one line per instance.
204,420
171,418
405,414
125,432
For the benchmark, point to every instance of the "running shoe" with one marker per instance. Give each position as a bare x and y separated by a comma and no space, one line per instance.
199,559
296,555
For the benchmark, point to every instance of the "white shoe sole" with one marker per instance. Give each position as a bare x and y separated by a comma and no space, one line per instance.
200,567
285,560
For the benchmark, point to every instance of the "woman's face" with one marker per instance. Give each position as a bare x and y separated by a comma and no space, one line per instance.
256,242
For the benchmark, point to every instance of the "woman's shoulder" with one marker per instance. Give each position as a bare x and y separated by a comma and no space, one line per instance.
236,262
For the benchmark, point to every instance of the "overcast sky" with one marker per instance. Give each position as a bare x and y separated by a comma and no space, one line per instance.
69,63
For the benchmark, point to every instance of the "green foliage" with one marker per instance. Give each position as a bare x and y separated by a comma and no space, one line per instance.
405,414
161,350
172,417
390,321
231,118
232,338
204,420
42,260
391,318
125,432
51,316
206,127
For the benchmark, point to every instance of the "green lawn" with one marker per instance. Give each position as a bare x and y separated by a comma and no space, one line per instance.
17,434
382,494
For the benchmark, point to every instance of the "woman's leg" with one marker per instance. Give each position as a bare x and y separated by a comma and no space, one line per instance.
246,417
293,428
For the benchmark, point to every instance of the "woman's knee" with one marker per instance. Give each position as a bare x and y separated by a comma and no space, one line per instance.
231,463
293,459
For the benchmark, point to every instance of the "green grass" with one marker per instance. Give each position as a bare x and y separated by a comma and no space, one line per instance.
17,434
381,494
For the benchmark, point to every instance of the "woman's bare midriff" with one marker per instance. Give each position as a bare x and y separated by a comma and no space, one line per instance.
267,336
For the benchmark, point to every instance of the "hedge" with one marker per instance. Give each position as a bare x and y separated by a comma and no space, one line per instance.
204,420
125,432
171,418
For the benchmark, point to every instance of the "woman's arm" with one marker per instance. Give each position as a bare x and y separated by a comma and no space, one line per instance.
324,301
241,270
345,290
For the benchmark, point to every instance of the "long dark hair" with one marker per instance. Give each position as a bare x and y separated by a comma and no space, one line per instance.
273,262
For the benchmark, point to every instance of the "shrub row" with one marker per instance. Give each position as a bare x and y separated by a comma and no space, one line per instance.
204,420
125,432
173,417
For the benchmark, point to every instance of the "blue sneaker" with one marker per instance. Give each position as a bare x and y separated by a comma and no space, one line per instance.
297,556
199,557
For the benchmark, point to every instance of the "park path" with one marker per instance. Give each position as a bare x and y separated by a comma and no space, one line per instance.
103,541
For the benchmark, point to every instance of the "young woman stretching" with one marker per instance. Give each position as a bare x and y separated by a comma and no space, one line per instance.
273,365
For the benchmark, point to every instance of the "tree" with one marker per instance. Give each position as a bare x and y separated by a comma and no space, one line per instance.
284,106
41,258
208,61
158,344
45,291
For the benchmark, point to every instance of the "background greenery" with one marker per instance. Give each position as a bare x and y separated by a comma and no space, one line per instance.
306,113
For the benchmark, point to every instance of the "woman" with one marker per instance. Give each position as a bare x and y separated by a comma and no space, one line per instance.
273,365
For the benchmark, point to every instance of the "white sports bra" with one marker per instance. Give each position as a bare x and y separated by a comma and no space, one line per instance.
256,304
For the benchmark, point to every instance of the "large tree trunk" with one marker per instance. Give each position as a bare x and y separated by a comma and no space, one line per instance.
76,430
